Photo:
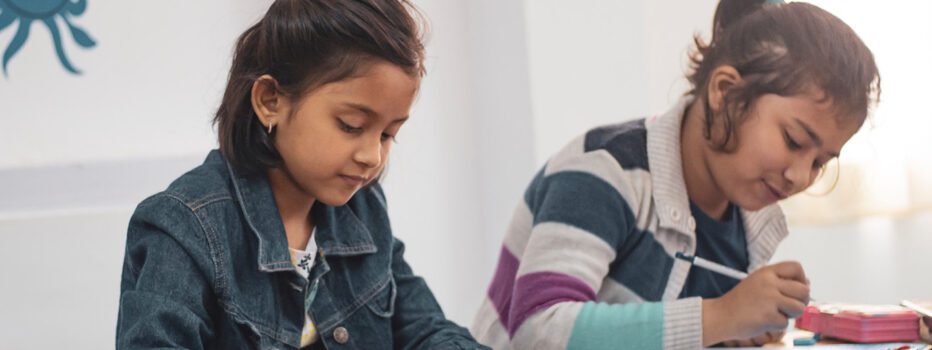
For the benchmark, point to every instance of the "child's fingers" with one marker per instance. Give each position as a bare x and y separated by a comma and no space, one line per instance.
776,336
796,290
761,339
731,344
791,307
736,343
745,343
790,270
777,320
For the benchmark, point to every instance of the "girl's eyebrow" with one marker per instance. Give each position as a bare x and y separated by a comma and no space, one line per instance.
813,135
371,113
362,108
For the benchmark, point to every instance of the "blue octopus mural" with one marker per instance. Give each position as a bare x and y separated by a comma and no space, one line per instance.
27,11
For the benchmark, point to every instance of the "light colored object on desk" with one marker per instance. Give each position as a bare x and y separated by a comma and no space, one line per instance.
922,310
834,344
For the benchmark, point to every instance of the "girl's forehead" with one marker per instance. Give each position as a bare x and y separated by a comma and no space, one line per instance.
375,77
816,105
817,117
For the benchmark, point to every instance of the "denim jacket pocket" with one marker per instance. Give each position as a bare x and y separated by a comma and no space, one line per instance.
251,333
255,335
383,302
259,341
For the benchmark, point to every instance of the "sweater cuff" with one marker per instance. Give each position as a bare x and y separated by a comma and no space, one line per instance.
682,324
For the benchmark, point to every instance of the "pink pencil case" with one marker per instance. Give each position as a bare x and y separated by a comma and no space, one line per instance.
861,323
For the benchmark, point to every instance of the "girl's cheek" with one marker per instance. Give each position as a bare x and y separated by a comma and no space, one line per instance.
776,156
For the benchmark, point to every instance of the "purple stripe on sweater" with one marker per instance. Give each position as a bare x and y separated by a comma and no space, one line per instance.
536,291
503,282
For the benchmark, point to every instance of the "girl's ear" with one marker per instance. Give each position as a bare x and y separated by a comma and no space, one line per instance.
268,101
721,80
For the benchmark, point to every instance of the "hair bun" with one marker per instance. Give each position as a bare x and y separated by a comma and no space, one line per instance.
730,11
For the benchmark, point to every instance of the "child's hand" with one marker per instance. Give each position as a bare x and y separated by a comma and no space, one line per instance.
926,329
769,337
763,302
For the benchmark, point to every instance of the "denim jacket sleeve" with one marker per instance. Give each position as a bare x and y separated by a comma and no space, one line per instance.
165,293
418,321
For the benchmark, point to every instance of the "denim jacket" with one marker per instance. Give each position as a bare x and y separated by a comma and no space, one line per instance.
207,267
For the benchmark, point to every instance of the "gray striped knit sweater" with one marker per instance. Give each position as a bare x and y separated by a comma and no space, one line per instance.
588,260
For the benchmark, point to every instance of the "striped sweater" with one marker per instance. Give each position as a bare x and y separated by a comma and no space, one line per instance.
588,259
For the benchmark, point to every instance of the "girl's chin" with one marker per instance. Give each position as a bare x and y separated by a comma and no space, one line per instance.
751,204
754,205
336,199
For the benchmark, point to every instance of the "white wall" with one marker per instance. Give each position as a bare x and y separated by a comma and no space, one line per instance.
595,62
463,160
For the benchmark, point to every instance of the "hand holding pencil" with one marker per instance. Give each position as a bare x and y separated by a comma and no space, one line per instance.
763,302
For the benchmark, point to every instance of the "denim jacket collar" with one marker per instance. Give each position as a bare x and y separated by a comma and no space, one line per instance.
339,231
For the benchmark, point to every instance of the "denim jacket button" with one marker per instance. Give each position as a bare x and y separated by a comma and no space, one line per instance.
341,335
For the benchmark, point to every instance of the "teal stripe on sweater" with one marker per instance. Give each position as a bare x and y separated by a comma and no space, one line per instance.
618,326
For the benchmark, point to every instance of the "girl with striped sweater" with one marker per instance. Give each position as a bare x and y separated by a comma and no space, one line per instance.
589,260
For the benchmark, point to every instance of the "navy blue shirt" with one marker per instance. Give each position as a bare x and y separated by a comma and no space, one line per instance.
722,241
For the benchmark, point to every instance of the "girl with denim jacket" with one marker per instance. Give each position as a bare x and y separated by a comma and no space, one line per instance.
281,239
595,257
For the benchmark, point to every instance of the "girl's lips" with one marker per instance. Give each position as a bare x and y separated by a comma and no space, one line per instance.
353,180
779,195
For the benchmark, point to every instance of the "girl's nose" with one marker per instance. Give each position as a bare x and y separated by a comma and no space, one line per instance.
370,153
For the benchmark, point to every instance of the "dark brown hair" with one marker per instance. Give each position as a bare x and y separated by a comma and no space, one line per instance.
304,44
783,49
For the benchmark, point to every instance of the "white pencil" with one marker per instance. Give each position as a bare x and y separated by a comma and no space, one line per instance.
718,268
713,266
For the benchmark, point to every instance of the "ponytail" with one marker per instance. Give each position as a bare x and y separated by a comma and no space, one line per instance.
728,11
